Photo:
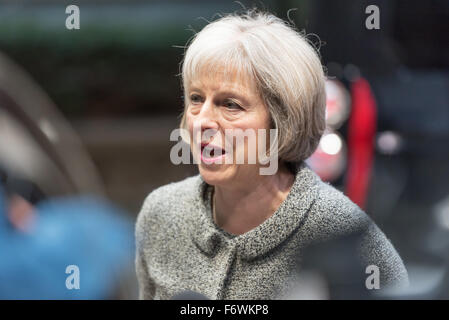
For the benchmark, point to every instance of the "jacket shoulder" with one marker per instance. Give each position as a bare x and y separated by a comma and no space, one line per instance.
163,205
334,215
169,194
334,211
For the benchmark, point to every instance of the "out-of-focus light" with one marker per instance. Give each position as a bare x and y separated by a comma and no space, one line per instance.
329,159
337,103
441,213
389,142
48,130
331,144
18,148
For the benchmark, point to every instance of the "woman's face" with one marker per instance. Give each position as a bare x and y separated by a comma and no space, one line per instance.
222,105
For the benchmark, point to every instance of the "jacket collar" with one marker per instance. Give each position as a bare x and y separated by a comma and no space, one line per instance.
265,237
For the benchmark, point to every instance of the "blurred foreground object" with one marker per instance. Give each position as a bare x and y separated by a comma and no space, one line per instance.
35,139
52,215
82,231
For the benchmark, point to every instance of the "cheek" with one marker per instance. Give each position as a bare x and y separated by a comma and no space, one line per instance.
265,120
260,121
190,120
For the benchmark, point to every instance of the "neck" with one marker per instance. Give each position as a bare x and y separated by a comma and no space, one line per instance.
239,210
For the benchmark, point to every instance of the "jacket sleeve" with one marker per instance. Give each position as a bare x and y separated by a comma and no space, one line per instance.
377,251
145,282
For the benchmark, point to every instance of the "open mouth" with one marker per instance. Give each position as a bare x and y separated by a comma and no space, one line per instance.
211,153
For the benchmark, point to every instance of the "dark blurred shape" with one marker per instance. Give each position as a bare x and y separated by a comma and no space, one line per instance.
337,262
411,168
414,103
36,141
189,295
420,29
22,187
412,33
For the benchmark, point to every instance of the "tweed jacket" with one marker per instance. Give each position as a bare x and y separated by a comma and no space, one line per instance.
179,247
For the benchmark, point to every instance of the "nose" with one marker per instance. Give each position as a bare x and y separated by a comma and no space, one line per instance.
207,119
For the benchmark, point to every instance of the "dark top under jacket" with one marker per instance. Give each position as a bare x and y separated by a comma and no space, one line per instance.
179,247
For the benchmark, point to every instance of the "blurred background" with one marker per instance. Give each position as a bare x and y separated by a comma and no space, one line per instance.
85,119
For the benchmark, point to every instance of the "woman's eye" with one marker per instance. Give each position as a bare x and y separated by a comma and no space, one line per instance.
232,105
195,98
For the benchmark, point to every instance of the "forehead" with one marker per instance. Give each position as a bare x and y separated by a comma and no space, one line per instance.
220,78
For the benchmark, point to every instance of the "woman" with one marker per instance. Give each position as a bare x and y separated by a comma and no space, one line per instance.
232,232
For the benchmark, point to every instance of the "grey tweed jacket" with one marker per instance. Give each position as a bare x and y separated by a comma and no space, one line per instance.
179,247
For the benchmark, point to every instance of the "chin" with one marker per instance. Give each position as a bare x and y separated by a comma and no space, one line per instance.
215,175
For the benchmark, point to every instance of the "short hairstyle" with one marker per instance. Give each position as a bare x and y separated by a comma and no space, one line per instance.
284,66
